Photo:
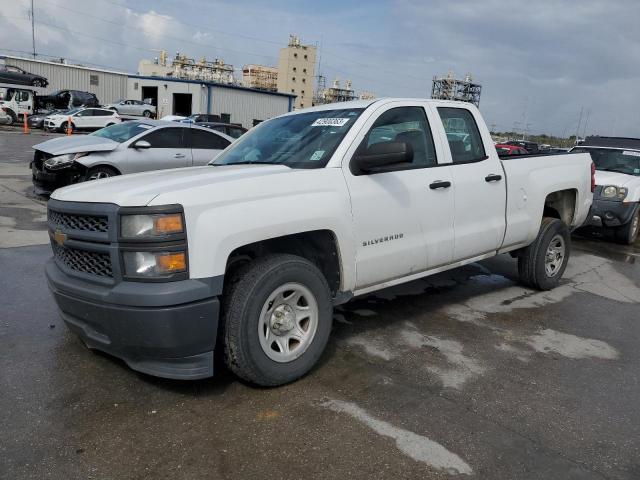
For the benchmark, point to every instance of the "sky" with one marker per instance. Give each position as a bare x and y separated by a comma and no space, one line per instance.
540,63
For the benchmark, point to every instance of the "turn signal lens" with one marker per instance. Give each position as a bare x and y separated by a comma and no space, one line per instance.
171,262
167,224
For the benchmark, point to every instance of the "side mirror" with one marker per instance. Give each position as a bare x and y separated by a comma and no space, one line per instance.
141,144
381,155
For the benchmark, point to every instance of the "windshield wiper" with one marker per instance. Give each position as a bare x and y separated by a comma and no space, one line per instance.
247,162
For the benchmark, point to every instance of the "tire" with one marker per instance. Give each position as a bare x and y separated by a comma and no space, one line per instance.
49,106
13,119
63,127
258,346
100,172
535,268
146,114
38,83
627,234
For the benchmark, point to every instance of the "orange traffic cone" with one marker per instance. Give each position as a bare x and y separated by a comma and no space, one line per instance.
69,127
26,124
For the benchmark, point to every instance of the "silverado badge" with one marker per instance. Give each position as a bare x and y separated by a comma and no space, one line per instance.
59,237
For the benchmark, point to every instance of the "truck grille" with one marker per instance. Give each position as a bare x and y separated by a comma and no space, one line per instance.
94,263
85,223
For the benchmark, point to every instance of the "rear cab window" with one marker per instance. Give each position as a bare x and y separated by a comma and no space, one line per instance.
463,135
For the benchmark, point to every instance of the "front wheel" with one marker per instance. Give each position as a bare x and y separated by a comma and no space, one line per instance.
98,173
146,114
38,83
627,234
277,319
64,126
541,264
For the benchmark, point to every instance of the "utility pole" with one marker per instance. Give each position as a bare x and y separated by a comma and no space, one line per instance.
586,122
579,123
33,31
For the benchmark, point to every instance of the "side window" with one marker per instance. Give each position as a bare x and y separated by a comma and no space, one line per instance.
236,132
463,135
104,113
86,113
207,140
170,137
404,124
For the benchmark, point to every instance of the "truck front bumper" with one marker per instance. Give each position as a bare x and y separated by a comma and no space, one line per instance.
166,330
607,213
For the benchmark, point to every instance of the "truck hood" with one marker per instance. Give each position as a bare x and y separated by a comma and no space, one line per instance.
76,144
141,188
615,178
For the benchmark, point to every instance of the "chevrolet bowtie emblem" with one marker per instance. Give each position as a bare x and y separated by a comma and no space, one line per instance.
59,237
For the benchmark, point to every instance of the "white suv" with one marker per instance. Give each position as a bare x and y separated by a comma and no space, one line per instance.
82,118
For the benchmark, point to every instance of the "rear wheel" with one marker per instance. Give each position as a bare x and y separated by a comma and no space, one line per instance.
628,233
98,173
277,319
49,106
541,264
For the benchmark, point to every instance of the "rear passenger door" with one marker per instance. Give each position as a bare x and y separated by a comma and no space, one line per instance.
478,183
167,150
205,145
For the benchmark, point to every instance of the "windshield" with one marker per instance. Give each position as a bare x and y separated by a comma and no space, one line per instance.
121,132
304,140
613,160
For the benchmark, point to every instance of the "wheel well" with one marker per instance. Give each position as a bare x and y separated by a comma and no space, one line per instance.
319,247
104,165
561,205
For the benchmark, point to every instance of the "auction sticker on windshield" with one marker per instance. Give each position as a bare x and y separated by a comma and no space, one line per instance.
632,153
330,122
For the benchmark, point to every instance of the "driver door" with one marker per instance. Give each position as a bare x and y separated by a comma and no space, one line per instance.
403,214
167,150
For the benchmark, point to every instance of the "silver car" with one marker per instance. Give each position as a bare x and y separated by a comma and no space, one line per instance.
133,107
128,147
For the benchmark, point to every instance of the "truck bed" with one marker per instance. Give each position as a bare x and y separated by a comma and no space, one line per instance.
528,186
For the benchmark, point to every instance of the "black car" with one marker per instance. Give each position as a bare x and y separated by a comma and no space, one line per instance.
230,129
11,74
66,99
37,120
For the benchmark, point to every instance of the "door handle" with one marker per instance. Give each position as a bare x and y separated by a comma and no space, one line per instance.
439,184
179,155
493,177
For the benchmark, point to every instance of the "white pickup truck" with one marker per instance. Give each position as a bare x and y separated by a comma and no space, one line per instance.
249,255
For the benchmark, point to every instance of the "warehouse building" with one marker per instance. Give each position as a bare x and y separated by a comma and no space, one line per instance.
172,96
107,85
232,103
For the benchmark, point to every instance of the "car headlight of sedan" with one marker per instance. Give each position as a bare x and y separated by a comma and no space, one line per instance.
62,161
155,264
151,226
614,193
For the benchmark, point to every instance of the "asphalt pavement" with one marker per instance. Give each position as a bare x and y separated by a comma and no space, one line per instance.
462,375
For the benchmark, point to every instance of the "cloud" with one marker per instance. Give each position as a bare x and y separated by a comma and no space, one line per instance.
538,62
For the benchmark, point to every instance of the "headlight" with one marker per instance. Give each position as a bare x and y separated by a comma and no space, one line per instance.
611,191
154,264
151,226
62,161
